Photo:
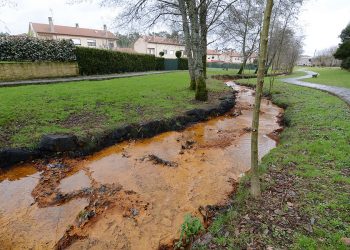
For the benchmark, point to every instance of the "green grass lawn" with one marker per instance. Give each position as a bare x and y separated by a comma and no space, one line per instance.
330,76
91,107
312,160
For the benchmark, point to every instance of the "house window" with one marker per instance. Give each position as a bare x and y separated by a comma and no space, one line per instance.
76,41
111,45
91,43
171,52
212,57
165,52
151,51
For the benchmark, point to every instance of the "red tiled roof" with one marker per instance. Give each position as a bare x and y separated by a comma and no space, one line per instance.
161,40
232,54
72,31
213,52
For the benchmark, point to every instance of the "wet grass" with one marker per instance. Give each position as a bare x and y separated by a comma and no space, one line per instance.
88,108
312,161
330,76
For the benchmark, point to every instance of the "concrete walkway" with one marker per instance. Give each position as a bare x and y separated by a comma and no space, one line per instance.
79,78
343,93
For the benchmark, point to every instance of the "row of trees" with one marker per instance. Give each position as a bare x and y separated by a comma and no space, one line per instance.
236,22
326,58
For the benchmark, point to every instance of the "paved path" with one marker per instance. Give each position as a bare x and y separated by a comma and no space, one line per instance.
343,93
79,78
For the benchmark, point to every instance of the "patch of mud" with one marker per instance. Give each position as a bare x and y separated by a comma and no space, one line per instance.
134,195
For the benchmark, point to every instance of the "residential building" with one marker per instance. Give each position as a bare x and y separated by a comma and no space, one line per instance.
80,36
235,57
231,57
213,55
304,60
153,45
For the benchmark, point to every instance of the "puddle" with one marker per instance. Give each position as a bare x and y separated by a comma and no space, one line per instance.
75,182
133,195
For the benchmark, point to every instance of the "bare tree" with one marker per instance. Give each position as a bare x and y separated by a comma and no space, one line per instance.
241,26
326,58
197,18
283,16
264,37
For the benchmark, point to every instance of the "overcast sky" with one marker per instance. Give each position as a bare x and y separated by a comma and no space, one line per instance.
321,20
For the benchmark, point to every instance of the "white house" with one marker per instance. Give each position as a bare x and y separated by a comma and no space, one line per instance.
231,57
154,45
304,60
235,57
80,36
213,55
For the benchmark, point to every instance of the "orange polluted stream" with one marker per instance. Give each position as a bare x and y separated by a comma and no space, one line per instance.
120,197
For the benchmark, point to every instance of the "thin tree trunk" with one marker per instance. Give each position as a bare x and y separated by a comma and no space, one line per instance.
241,69
269,63
264,37
203,32
188,47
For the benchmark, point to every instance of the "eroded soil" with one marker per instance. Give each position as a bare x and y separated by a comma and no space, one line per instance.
133,195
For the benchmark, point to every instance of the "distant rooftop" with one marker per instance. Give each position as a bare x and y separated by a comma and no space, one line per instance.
161,40
71,31
213,52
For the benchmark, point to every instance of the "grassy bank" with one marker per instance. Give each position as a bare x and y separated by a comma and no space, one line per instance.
331,76
306,181
88,108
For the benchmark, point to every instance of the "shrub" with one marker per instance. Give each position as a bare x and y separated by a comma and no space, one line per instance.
178,54
99,61
161,53
34,49
190,228
183,64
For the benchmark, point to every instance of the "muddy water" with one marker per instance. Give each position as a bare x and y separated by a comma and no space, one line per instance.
133,195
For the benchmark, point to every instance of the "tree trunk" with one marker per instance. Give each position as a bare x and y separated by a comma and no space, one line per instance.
188,47
264,36
241,69
201,88
203,34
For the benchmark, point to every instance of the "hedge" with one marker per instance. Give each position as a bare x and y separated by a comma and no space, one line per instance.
229,65
183,64
99,61
21,49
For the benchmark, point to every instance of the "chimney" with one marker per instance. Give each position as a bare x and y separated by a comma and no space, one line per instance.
105,27
51,25
77,25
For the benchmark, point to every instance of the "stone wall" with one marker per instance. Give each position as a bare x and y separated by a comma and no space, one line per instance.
36,70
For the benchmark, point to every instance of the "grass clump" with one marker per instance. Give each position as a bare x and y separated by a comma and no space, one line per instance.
191,227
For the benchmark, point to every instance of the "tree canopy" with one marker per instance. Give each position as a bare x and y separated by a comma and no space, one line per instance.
343,51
